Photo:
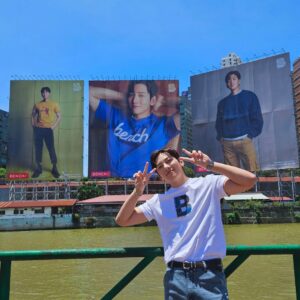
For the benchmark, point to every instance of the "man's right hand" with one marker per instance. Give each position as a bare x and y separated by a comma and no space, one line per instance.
141,179
129,214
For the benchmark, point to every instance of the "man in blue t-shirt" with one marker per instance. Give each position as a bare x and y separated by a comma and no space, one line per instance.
134,131
239,120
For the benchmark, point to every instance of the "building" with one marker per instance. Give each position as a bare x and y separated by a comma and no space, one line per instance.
44,214
3,137
186,120
231,60
296,90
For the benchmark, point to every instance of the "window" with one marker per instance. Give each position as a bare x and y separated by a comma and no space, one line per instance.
39,210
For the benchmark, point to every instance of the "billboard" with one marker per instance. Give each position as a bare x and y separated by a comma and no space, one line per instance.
45,138
244,115
127,121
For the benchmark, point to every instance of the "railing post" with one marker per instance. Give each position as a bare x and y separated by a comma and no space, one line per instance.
5,271
296,258
293,185
106,187
235,264
129,277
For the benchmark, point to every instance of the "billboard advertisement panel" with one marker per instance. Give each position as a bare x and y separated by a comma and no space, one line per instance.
127,121
244,115
45,139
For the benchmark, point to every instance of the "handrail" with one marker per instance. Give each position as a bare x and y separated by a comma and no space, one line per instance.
148,253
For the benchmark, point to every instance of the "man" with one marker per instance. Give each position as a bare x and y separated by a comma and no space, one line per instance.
189,219
239,120
45,118
134,131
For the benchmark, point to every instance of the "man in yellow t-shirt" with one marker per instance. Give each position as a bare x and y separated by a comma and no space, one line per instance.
45,118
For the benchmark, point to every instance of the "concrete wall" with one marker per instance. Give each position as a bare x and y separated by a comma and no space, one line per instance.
29,222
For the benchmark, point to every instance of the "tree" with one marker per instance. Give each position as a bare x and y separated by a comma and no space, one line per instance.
189,172
2,172
89,190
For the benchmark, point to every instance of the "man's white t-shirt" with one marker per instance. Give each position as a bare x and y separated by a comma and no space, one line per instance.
189,219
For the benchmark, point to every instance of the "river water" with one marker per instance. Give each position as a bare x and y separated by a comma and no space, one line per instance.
260,277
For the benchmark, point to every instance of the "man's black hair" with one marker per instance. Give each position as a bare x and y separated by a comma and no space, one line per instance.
45,89
150,84
236,73
155,154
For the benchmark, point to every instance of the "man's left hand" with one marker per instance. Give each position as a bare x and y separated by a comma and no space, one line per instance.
196,157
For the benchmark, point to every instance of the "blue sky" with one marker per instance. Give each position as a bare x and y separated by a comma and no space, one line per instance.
115,39
136,38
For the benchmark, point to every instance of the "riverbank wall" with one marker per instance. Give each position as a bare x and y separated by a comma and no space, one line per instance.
103,215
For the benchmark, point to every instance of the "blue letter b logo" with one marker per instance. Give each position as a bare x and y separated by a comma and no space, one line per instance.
182,205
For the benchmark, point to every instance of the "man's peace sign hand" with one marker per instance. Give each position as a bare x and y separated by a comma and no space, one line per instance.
141,179
197,158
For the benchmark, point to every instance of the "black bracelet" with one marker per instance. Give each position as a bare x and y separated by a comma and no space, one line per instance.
210,165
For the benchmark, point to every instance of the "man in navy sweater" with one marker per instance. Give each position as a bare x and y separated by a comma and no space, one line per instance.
239,120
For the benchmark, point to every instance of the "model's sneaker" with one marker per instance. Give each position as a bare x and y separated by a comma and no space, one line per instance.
55,173
36,173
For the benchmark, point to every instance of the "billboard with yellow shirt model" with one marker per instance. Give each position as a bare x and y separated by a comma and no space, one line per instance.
45,129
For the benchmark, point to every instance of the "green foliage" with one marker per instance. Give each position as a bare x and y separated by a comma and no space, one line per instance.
89,190
297,217
84,179
258,217
283,172
284,204
250,204
258,205
2,172
90,222
255,204
232,218
297,202
267,173
76,218
237,218
189,172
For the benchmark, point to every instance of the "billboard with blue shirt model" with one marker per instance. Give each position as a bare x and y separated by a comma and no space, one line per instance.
128,120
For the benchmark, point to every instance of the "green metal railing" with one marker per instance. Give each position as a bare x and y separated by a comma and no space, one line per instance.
148,254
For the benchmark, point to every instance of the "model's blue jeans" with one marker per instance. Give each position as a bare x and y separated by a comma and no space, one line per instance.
195,284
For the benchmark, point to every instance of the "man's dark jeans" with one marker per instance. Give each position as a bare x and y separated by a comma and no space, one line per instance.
40,135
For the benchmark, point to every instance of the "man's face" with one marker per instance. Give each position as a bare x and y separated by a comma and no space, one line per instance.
233,82
168,167
45,94
140,102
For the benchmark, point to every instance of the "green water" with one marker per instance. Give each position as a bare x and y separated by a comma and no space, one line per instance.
260,277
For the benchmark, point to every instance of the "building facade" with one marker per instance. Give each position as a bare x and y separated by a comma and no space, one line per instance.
3,137
296,91
186,120
231,60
